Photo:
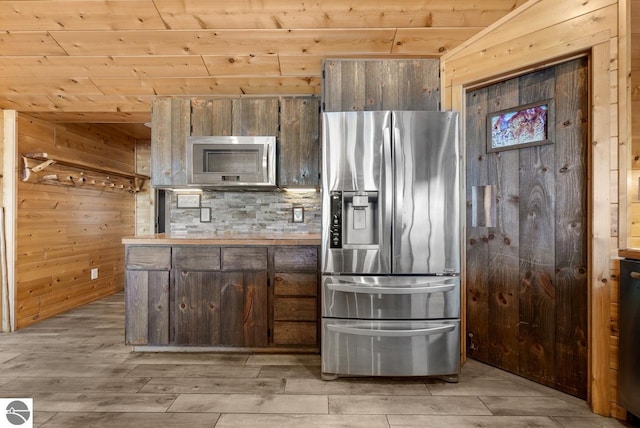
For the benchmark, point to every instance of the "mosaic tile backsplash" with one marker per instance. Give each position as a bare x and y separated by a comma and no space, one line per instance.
248,212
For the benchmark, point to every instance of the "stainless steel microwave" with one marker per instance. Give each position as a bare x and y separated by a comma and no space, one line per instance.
232,161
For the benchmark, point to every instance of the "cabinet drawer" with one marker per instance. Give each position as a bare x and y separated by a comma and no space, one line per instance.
244,258
295,259
295,333
149,258
295,309
295,284
196,258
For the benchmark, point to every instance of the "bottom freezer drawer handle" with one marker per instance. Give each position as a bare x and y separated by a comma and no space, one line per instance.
398,333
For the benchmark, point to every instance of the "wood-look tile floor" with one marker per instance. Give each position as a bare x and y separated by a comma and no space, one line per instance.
80,374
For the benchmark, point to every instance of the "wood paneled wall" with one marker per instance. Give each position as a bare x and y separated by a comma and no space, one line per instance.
544,32
634,191
63,232
145,200
3,323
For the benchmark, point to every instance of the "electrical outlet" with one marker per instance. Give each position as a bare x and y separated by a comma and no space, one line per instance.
94,273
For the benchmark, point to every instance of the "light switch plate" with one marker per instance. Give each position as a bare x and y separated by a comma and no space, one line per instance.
205,215
297,214
94,273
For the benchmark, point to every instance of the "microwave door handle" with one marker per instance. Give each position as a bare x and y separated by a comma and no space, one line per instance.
394,333
352,288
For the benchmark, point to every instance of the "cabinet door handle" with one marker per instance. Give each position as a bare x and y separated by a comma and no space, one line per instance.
635,275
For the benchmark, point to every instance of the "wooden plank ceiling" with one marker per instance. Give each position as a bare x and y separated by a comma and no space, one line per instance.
103,61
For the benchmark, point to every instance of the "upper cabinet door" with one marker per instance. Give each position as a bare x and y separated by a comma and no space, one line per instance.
170,127
380,84
299,147
211,117
296,126
255,116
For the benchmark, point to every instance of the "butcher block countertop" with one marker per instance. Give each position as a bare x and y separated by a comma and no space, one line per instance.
225,239
630,253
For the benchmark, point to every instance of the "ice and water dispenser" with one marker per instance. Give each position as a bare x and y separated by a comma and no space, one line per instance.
354,219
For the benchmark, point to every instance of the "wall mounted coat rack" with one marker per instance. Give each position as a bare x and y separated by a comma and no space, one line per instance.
72,173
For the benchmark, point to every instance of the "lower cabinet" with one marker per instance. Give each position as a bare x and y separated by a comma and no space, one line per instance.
221,296
295,291
195,296
196,308
147,295
220,308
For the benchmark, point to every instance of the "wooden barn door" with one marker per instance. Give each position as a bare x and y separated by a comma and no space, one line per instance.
526,243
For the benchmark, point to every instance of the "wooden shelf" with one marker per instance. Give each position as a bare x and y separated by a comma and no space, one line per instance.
84,174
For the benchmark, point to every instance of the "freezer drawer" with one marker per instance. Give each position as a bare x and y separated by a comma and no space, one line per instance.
390,348
391,297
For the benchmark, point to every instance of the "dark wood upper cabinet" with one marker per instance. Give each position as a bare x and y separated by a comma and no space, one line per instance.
293,120
211,117
254,116
170,126
378,84
299,147
174,119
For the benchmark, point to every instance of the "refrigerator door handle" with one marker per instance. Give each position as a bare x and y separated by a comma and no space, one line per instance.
395,333
387,195
399,163
353,288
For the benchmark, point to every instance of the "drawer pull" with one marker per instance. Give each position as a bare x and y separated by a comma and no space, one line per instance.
395,333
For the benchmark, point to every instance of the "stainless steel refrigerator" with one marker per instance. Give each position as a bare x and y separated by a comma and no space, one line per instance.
390,244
